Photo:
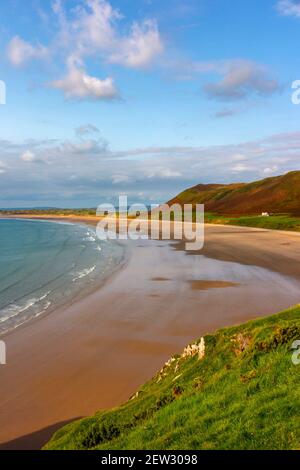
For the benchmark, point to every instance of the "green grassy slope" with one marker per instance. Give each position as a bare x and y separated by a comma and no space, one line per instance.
244,394
280,194
275,222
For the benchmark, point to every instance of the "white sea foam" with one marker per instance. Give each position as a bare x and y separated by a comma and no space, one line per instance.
14,310
46,306
91,236
84,273
17,325
90,239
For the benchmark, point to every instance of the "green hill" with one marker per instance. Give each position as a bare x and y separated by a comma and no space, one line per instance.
277,195
243,394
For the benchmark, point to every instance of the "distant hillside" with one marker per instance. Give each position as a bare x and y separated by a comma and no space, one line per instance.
235,389
280,194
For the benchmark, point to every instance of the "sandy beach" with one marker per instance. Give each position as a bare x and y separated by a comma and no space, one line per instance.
95,353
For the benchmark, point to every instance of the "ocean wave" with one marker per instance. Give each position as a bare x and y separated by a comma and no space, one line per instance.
90,239
44,309
84,273
17,325
90,236
14,310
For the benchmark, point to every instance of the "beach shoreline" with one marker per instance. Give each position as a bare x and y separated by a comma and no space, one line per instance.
95,353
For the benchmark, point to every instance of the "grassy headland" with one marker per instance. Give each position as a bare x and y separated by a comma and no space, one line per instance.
277,195
243,394
243,204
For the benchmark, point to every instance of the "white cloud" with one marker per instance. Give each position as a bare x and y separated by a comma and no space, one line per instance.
94,31
238,157
77,84
270,170
224,113
84,147
94,26
141,47
237,79
20,51
91,29
3,167
289,8
86,170
28,156
86,129
161,172
241,78
118,179
241,168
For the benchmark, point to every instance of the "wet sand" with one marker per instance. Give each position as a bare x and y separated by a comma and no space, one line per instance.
95,353
205,285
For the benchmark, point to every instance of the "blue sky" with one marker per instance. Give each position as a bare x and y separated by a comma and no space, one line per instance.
144,97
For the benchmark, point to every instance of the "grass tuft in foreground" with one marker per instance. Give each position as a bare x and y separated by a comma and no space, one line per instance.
244,394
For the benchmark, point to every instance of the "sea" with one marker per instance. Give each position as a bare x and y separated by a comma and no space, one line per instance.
45,265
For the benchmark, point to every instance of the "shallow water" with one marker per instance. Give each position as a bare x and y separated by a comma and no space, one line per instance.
46,264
